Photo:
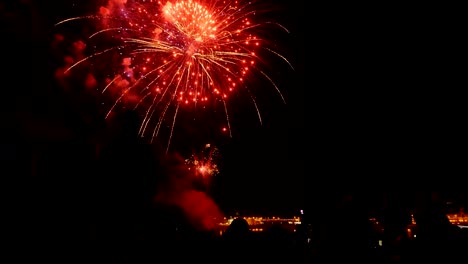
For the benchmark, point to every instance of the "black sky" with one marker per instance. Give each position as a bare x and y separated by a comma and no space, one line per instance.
373,105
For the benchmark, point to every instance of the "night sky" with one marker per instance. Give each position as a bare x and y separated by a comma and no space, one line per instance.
373,106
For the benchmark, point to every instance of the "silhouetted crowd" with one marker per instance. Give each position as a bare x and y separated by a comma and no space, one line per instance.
94,203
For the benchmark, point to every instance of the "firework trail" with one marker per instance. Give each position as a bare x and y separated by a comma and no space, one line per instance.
163,57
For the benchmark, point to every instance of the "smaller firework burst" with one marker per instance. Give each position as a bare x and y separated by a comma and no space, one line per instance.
203,165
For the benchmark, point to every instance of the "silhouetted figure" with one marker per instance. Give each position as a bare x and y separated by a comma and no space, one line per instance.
125,185
277,236
171,236
344,233
238,231
278,245
395,219
436,238
238,241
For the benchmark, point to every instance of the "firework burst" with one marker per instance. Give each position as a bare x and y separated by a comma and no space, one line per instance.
204,165
163,57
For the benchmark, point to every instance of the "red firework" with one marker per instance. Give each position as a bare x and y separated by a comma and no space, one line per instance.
160,57
204,165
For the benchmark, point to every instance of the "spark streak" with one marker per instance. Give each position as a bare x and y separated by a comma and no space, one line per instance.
164,57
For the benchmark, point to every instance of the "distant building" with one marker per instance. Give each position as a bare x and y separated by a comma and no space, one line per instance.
460,219
260,224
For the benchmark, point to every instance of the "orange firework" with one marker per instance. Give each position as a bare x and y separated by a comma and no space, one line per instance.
160,57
